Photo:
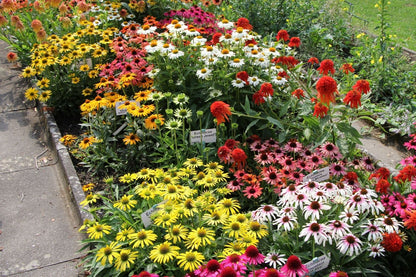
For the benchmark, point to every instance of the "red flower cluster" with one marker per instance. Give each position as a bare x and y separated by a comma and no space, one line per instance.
326,87
220,111
298,93
282,34
326,66
230,153
244,23
294,42
392,242
347,67
266,90
320,110
242,75
289,61
407,173
362,86
353,98
313,60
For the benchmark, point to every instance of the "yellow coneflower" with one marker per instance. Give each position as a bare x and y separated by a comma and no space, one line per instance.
65,60
97,230
142,95
142,238
154,121
131,139
177,233
200,237
87,142
84,67
100,52
32,94
125,259
87,91
88,187
125,203
89,199
128,178
45,95
93,74
123,234
190,260
164,252
28,72
43,83
68,140
146,83
108,253
193,163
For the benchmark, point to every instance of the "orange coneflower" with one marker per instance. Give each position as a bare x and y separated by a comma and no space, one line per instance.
220,111
153,121
326,87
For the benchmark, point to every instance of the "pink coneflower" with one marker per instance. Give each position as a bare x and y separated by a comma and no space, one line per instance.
294,267
411,144
234,185
239,174
349,216
373,231
265,213
314,210
315,161
319,195
358,202
300,200
310,187
235,262
349,245
315,230
293,146
254,257
338,274
290,190
287,163
329,150
275,260
269,272
224,154
252,191
376,251
337,169
329,188
338,229
286,222
258,146
367,163
263,158
409,161
271,143
411,199
270,175
401,207
303,165
211,269
145,274
296,176
229,272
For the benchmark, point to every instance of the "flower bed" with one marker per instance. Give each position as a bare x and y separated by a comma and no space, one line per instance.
224,153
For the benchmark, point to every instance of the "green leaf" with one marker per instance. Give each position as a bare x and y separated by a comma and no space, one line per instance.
307,133
251,125
276,122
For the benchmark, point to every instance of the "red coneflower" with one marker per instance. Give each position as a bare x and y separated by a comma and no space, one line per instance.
242,75
410,222
220,110
282,34
382,186
266,89
258,98
239,157
244,23
362,86
381,173
326,66
12,57
294,42
294,267
392,242
254,257
252,191
271,272
313,60
326,87
216,38
36,25
347,68
298,93
407,173
320,110
224,154
228,272
353,98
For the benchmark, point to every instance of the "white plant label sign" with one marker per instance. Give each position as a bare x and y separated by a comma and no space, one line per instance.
208,135
317,264
318,175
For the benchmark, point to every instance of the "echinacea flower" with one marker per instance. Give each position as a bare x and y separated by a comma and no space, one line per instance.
164,253
338,273
350,245
282,35
125,259
190,260
392,242
97,230
347,68
317,231
353,98
294,267
142,238
220,111
253,256
320,110
294,42
326,87
108,253
362,86
326,66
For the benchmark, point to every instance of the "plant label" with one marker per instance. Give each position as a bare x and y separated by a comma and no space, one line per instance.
124,111
120,129
317,264
318,175
147,221
208,135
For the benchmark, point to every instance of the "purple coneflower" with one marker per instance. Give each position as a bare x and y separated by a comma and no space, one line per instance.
294,267
254,257
349,245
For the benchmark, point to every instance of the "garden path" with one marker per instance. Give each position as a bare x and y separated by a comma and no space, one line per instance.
38,226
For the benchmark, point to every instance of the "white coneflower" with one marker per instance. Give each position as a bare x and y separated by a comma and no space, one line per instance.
277,69
210,61
192,32
278,81
240,33
209,51
349,245
226,53
315,209
181,99
214,93
317,231
177,27
225,24
373,231
175,53
275,260
254,80
166,48
238,83
285,222
265,213
263,62
358,202
204,73
236,62
271,51
198,41
173,124
146,29
349,215
183,113
388,224
338,229
376,251
154,46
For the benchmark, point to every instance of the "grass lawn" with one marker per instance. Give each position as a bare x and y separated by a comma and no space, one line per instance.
401,14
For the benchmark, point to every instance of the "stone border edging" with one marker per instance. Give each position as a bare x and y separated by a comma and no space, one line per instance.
67,169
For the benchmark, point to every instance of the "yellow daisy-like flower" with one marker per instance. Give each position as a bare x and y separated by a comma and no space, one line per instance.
186,172
223,191
189,207
154,121
257,230
32,94
173,192
165,219
131,139
215,218
89,199
228,206
108,253
147,193
142,95
28,72
100,52
68,140
212,167
235,229
87,142
93,74
88,187
65,60
177,233
87,91
125,259
200,237
125,203
84,67
97,230
235,247
164,252
221,176
124,234
193,162
43,83
75,80
128,178
142,238
248,240
45,95
190,260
